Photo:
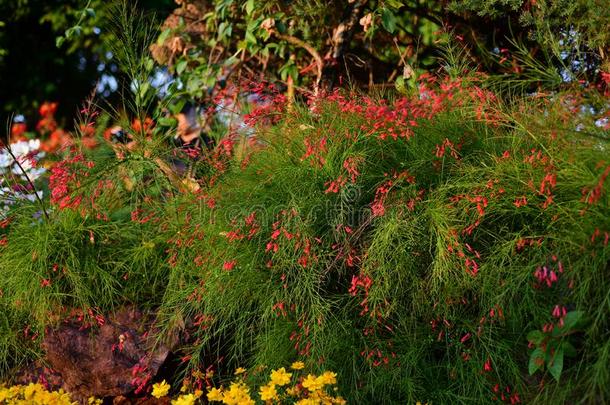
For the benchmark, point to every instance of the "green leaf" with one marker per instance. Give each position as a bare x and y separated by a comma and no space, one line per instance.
176,108
243,44
395,4
400,84
556,365
144,89
568,348
163,37
194,85
210,81
76,30
285,70
572,319
535,336
221,29
249,7
90,12
536,361
166,121
181,66
59,41
388,20
250,38
293,71
150,64
254,24
281,27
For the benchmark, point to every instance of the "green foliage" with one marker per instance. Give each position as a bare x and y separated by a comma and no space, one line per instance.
223,39
586,18
409,263
34,70
406,243
551,347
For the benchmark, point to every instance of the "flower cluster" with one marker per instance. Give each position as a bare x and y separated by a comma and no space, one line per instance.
161,390
35,394
51,136
282,387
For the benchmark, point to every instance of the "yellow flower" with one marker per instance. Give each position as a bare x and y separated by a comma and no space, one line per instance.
308,401
238,394
292,391
297,365
215,394
312,383
33,394
94,401
188,399
268,392
328,378
280,377
240,370
160,389
30,391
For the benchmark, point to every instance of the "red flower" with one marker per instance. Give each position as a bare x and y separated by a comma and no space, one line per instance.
335,185
228,266
520,201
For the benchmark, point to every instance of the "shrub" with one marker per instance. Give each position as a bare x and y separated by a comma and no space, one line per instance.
411,246
424,248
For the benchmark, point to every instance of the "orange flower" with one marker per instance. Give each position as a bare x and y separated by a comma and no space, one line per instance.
17,131
47,109
136,125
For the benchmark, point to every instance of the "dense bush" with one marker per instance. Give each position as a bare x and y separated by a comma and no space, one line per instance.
439,247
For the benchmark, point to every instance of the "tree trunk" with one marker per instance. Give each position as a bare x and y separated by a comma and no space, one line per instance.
342,37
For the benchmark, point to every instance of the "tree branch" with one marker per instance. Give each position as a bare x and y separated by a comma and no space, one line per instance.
310,49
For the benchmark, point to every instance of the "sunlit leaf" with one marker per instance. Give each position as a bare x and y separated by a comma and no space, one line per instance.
388,20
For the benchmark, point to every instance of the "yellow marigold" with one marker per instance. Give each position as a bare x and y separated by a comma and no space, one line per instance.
237,394
268,392
160,389
33,394
280,377
328,378
308,401
215,394
297,365
4,394
188,399
312,383
30,390
240,370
